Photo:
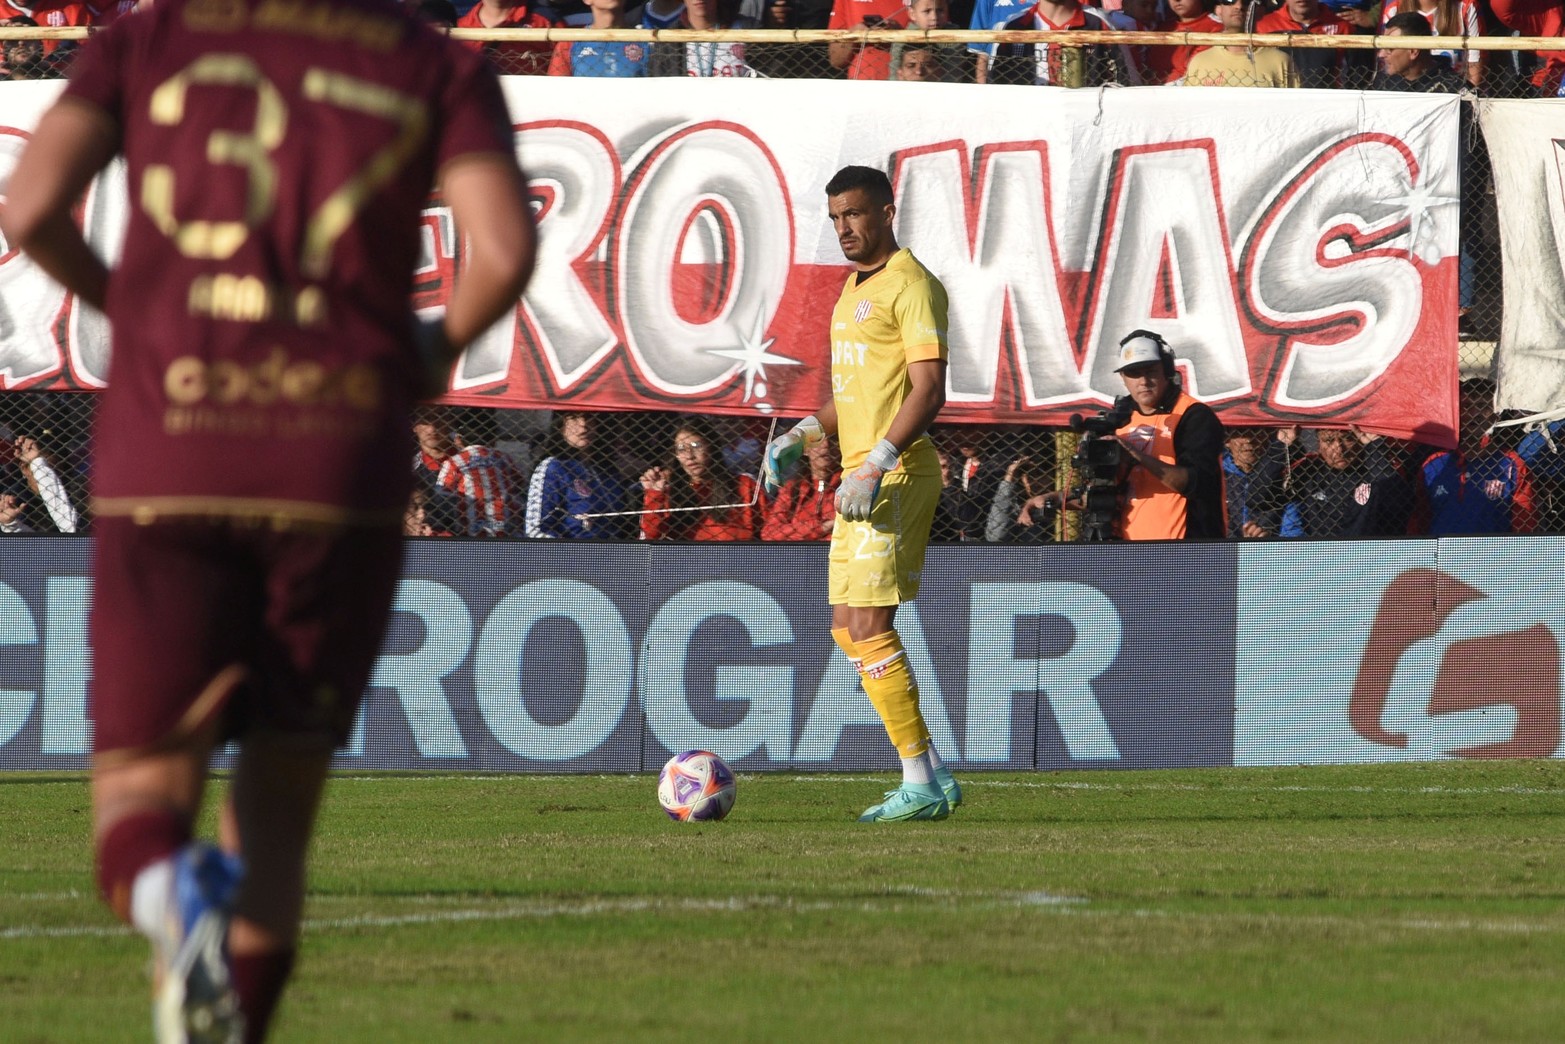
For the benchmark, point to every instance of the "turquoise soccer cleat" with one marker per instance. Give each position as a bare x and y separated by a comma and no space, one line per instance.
195,999
948,783
907,802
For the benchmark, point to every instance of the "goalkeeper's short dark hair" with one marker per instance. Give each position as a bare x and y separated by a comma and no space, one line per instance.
871,179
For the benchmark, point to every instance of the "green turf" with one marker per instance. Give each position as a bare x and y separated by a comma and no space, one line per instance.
1386,903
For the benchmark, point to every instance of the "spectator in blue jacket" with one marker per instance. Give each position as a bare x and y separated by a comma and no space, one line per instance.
1253,459
1479,487
572,481
1542,449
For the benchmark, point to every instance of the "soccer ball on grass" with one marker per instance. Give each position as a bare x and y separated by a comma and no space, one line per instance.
696,786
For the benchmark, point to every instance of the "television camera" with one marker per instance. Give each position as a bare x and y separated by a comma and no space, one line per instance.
1099,466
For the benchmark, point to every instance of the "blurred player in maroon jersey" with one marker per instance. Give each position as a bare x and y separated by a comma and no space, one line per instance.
251,450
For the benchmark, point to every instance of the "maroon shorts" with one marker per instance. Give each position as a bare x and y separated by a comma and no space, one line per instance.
257,629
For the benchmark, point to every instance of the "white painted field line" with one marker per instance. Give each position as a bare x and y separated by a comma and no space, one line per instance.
641,779
1193,788
1412,924
595,907
64,931
1043,901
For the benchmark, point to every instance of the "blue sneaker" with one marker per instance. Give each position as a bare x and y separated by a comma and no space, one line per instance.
948,783
194,999
909,801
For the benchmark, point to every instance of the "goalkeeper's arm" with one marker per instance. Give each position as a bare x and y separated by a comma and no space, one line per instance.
926,395
783,452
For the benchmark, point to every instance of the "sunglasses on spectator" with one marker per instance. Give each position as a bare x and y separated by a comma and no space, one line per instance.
692,446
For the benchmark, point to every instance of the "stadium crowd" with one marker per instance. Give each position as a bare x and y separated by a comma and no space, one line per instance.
578,475
617,476
1508,73
1511,73
627,476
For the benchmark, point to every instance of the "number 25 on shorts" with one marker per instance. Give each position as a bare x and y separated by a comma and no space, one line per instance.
872,542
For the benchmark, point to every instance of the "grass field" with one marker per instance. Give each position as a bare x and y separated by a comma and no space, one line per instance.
1385,903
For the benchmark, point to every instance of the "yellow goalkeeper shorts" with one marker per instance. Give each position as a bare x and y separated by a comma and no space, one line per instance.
881,562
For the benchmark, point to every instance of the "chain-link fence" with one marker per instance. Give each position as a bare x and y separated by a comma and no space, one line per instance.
658,475
521,473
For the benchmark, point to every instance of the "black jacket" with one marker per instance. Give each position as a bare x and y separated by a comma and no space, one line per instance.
1367,498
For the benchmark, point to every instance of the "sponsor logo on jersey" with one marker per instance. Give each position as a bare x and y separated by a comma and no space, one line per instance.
276,378
861,311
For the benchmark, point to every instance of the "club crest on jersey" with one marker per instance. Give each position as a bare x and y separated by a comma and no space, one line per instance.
862,310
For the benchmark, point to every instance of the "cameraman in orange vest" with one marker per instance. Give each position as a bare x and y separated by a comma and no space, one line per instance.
1173,447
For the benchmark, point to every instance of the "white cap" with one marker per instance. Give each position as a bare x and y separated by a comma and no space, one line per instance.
1138,350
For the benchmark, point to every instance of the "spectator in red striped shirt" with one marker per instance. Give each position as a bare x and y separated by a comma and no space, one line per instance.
469,490
491,492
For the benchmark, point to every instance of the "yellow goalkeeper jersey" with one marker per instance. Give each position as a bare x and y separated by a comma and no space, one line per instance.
895,317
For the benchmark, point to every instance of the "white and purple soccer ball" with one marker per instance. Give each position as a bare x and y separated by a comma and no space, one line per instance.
696,786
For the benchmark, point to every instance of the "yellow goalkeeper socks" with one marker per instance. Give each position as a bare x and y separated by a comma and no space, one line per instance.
888,681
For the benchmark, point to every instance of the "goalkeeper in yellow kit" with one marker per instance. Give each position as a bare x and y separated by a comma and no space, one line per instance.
888,378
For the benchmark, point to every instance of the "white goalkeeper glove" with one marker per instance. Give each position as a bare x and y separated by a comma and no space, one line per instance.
856,495
783,452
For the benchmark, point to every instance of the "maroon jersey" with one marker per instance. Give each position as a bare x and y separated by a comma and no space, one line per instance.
279,153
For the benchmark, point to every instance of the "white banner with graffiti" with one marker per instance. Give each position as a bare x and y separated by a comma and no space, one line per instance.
1298,248
1526,141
